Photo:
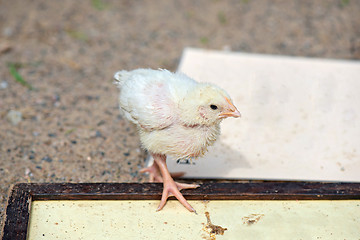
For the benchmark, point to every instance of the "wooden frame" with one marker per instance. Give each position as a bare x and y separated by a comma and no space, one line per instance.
22,195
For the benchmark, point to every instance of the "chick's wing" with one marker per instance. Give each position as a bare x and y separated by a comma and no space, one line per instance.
148,104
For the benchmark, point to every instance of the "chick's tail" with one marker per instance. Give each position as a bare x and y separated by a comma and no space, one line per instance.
120,77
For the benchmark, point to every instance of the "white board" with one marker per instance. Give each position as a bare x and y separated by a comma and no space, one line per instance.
300,117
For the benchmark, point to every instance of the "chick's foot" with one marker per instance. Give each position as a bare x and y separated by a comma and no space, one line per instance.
155,176
171,188
154,173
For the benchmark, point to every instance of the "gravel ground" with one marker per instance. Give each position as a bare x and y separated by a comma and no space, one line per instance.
59,118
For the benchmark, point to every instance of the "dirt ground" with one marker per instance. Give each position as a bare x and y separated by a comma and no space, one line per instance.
57,59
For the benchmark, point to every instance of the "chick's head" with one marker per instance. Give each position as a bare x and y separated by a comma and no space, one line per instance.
208,104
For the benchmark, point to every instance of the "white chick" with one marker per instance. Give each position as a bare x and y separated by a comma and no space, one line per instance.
175,116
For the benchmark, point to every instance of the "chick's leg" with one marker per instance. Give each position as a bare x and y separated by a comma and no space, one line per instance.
171,188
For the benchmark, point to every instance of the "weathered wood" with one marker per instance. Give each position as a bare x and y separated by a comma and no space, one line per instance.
17,213
19,203
211,191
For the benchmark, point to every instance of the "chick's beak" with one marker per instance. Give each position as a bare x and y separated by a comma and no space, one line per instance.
231,111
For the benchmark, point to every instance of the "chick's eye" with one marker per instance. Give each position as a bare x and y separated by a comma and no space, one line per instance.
213,107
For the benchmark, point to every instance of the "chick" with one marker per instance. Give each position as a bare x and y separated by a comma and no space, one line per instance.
175,116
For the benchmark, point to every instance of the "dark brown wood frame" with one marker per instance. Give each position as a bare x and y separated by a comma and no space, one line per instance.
19,203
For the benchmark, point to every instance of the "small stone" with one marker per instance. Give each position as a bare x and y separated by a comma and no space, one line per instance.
102,122
47,159
98,134
8,32
4,85
52,134
35,134
5,48
95,134
14,117
56,98
90,98
28,172
134,174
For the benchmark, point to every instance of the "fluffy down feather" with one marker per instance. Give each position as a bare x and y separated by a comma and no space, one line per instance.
175,115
